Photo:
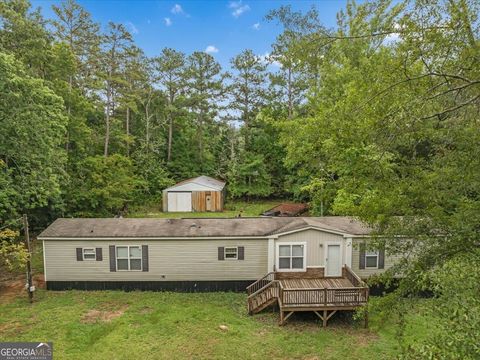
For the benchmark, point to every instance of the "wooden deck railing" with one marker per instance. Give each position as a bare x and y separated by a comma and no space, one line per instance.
267,288
324,297
257,285
263,295
353,278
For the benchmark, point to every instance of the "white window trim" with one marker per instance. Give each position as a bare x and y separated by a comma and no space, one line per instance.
128,257
94,253
225,252
377,255
277,257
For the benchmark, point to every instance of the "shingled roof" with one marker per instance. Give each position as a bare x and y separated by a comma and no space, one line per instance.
211,227
203,180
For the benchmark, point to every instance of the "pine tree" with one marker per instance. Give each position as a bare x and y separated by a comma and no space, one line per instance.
116,43
170,75
205,91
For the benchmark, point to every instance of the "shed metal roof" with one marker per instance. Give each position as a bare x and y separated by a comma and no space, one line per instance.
211,227
202,181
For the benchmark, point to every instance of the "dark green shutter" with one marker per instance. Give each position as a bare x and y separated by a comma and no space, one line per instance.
241,253
381,259
361,260
98,254
111,252
221,253
79,254
144,257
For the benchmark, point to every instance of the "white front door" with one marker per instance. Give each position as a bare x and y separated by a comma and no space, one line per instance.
179,201
333,260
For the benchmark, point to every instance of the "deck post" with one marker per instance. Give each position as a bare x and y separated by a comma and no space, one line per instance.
325,318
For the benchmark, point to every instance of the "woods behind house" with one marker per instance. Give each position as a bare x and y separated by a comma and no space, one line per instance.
376,118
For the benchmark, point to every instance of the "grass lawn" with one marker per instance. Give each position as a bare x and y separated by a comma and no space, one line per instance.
161,325
232,209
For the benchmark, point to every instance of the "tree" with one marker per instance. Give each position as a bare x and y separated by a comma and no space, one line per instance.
33,128
248,176
170,74
248,88
13,255
116,42
105,185
205,92
392,136
137,78
23,34
74,26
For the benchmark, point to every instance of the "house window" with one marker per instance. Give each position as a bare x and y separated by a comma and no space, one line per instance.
129,258
371,259
291,257
89,254
231,253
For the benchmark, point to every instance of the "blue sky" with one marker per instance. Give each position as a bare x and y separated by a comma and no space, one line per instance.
224,27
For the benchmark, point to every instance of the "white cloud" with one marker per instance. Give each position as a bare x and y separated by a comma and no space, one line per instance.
131,26
177,9
168,21
256,26
238,8
211,49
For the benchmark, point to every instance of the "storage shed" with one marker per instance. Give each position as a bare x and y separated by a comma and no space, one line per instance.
202,193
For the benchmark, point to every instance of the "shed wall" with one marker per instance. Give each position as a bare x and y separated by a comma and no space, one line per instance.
199,200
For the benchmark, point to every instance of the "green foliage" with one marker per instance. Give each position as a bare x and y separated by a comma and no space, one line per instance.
391,136
33,125
105,185
154,175
13,256
456,310
249,177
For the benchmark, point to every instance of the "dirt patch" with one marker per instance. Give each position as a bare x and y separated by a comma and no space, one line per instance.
94,315
10,327
11,289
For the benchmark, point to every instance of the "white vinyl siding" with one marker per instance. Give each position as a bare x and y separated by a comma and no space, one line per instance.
368,271
315,240
169,260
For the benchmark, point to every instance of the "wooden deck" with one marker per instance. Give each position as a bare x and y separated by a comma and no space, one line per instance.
308,292
322,283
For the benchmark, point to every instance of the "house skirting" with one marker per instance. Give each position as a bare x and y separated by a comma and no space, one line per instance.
178,286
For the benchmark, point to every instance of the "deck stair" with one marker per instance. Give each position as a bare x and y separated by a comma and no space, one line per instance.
323,296
262,293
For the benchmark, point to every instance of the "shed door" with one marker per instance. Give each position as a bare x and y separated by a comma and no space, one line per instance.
208,202
333,260
179,201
